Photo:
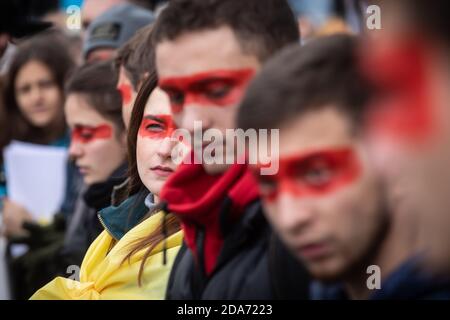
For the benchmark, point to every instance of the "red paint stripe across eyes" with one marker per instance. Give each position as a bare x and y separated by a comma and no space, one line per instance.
126,93
152,128
316,173
85,134
402,108
215,88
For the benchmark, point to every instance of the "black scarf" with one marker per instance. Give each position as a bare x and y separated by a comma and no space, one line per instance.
98,195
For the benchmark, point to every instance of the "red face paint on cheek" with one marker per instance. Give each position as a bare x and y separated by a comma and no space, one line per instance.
215,88
312,174
157,126
86,134
402,109
126,92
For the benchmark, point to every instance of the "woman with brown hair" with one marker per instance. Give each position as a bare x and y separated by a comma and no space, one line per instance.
133,257
32,109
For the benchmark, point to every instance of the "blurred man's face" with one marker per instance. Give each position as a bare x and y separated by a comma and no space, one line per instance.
205,74
409,125
325,201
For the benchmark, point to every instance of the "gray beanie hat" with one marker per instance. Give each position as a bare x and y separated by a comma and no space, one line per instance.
115,27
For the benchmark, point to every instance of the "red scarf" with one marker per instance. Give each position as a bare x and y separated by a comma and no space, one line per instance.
197,197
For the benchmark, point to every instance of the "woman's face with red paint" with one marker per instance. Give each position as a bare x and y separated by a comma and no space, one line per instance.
324,201
128,96
95,145
155,144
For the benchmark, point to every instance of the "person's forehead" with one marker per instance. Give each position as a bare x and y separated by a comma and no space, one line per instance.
316,130
33,69
123,77
79,111
157,103
202,51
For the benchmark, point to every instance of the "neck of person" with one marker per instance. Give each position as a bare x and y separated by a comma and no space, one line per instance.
398,245
56,130
156,198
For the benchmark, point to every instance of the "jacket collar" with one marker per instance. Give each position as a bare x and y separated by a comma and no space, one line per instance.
118,220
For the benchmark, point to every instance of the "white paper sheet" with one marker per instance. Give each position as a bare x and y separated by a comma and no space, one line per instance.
36,177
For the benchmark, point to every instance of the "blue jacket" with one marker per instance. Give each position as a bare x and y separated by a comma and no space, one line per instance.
407,282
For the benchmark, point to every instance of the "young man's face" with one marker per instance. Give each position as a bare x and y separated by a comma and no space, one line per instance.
325,201
205,74
126,89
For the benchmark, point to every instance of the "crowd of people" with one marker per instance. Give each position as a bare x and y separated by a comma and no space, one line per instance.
169,197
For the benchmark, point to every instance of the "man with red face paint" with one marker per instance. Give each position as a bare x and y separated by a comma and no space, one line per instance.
327,201
206,54
134,62
409,119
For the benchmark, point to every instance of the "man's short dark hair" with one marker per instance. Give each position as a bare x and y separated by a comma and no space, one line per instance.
261,26
322,73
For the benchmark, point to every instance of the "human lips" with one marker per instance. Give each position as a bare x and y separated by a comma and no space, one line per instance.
84,170
40,108
162,171
314,250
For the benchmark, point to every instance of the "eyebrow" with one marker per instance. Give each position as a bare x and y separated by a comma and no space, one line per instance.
151,117
214,75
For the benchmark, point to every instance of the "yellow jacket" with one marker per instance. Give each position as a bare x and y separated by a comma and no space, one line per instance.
103,276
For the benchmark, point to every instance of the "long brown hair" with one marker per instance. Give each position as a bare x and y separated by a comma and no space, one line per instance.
169,224
49,49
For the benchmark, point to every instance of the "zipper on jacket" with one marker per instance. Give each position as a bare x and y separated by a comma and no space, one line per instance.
104,226
199,279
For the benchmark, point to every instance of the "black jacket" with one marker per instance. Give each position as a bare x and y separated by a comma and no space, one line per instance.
252,264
